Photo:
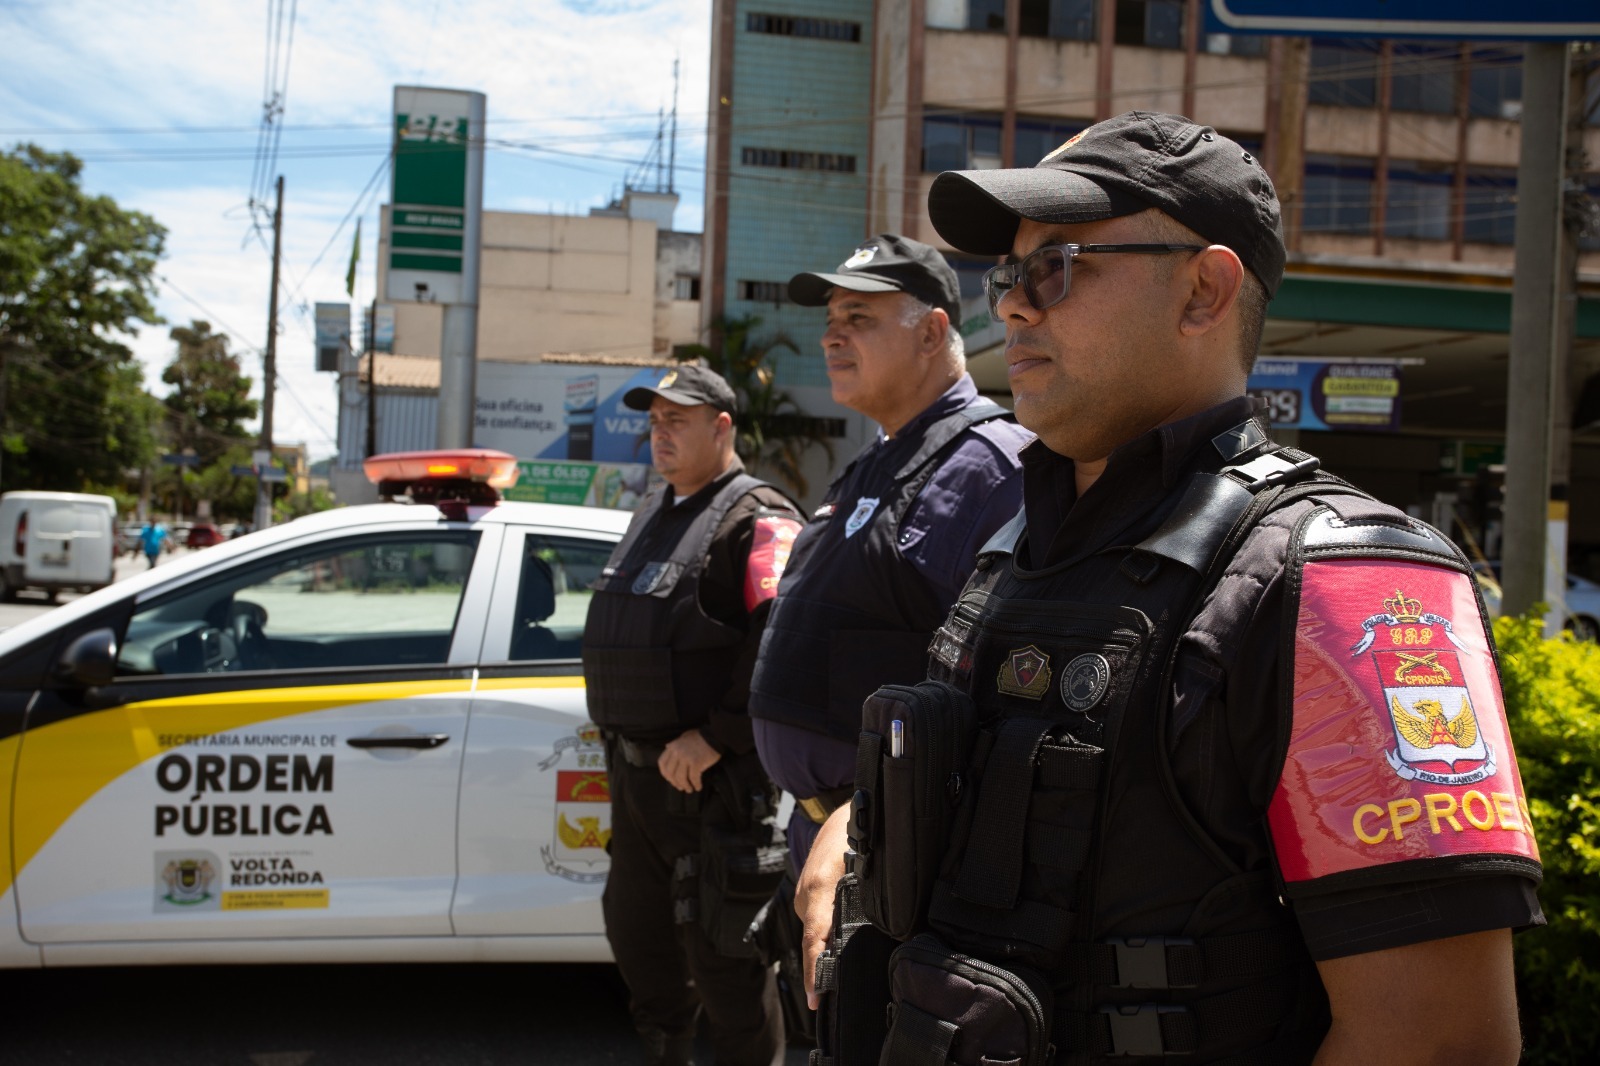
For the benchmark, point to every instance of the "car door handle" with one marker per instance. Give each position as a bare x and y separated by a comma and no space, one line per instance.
414,741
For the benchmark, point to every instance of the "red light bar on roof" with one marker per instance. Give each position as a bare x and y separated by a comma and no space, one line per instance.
481,466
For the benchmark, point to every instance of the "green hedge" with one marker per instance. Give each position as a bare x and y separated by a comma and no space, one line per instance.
1552,690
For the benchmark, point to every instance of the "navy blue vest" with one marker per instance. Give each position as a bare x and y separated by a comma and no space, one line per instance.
852,612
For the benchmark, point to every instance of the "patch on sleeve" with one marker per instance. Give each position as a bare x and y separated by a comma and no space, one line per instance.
1399,748
769,554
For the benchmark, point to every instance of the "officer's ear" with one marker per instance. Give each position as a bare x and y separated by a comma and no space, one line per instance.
934,331
724,425
1211,284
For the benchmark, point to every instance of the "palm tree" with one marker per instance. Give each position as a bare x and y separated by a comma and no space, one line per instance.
771,432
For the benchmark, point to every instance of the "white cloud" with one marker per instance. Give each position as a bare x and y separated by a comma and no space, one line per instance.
585,76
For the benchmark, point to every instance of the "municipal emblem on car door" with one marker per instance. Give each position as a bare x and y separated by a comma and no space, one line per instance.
582,807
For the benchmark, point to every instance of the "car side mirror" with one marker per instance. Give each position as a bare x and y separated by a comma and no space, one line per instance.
90,660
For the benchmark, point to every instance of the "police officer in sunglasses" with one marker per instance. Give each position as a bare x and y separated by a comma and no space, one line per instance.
1235,782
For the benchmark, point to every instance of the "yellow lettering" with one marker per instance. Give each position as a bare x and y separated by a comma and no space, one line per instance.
1506,807
1362,812
1527,815
1412,809
1486,821
1396,637
1441,805
1426,636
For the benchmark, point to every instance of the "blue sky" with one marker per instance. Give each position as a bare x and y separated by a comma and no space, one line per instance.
163,101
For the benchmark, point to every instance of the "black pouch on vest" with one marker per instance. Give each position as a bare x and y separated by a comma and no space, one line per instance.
739,871
953,1008
852,985
907,790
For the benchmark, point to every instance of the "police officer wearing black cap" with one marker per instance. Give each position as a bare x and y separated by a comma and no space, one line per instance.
670,641
1238,784
898,530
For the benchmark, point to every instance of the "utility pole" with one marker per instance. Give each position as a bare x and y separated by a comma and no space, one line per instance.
1535,318
269,371
372,379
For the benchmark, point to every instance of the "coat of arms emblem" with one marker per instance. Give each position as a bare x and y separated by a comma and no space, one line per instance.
577,850
1437,739
1025,673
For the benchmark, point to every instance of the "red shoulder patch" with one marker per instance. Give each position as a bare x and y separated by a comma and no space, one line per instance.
1399,748
769,554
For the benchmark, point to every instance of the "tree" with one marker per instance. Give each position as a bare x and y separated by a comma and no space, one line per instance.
76,275
771,432
210,397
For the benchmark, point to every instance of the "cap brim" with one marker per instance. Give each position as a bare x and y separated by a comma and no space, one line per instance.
977,211
811,290
640,398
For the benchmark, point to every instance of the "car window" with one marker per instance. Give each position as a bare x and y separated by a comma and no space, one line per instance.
388,600
553,595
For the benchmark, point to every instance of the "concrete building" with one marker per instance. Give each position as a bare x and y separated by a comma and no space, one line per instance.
1396,162
617,287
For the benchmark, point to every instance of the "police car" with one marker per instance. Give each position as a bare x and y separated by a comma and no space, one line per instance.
359,736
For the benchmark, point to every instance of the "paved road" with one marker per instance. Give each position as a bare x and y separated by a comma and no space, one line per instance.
433,1015
30,604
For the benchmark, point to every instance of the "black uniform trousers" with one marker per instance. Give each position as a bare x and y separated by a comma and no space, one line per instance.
671,969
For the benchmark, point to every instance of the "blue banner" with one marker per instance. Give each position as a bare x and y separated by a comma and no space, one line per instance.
1312,394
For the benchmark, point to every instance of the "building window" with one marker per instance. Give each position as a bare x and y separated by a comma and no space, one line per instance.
775,293
1417,202
831,162
1152,23
1067,20
1338,195
1235,44
1495,82
970,270
1344,73
960,142
1037,138
986,15
1422,77
686,287
798,26
1490,205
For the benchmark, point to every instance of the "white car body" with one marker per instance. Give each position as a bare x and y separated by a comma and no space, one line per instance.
255,785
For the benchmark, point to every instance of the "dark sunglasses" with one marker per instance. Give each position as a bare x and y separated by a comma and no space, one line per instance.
1046,274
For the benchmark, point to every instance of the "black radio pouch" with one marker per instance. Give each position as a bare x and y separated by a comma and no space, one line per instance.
907,792
852,985
1004,1012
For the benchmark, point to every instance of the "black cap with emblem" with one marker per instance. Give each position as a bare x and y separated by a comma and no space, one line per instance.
886,263
689,385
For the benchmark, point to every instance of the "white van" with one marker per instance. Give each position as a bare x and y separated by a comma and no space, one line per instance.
56,540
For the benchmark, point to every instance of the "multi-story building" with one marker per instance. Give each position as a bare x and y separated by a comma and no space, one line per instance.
1396,162
615,288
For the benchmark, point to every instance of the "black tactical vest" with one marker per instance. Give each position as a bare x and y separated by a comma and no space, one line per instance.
852,613
1074,855
655,664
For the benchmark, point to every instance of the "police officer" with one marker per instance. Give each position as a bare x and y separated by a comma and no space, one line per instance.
1219,692
668,647
897,532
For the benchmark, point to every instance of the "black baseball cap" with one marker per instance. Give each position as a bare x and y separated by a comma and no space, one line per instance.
887,263
1122,166
689,385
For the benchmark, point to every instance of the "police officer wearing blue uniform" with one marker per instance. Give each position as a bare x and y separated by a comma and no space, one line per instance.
1232,780
896,534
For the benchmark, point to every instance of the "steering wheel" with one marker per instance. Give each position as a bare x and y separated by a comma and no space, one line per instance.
245,622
